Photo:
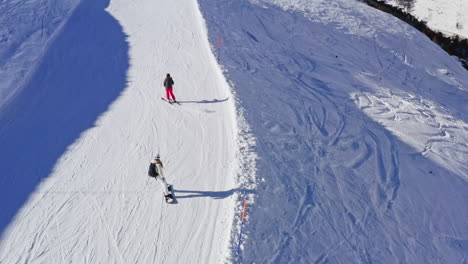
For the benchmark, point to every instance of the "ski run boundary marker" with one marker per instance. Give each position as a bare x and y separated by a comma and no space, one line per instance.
242,226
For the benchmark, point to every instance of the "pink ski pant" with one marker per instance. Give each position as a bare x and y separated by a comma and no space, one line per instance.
169,93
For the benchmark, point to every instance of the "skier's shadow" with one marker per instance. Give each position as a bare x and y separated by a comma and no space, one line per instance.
213,101
212,194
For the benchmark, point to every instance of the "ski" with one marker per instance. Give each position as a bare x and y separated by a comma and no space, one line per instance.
170,102
165,100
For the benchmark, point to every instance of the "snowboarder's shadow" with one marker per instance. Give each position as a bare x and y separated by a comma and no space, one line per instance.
213,101
174,201
212,194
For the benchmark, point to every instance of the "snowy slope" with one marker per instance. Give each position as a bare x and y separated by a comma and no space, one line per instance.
27,28
76,140
360,135
361,127
447,16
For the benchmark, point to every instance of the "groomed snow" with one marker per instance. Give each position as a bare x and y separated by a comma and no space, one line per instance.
77,141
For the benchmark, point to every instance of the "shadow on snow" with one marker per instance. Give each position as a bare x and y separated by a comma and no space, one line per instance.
339,186
80,75
212,194
205,101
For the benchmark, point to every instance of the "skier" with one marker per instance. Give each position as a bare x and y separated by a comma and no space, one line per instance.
168,82
155,171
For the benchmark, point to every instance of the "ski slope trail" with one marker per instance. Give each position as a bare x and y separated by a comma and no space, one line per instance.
95,203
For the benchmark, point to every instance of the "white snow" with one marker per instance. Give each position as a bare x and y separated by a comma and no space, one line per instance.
84,128
447,16
361,127
344,127
26,30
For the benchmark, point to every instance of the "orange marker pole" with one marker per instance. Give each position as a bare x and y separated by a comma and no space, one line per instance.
244,212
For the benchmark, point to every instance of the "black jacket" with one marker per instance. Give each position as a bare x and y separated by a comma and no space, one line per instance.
168,82
152,172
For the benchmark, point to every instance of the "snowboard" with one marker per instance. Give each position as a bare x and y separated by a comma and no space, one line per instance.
170,196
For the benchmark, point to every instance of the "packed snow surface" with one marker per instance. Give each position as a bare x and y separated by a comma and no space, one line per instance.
358,123
78,133
362,128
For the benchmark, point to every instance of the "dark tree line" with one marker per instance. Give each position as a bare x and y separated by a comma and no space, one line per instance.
456,45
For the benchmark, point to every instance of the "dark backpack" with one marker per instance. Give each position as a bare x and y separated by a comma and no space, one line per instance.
152,170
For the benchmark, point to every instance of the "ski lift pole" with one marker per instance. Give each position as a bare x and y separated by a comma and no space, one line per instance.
242,226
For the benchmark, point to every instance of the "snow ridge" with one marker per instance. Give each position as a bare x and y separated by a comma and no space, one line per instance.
246,175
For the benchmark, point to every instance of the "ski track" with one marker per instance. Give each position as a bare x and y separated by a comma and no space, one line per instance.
361,140
342,100
23,40
97,205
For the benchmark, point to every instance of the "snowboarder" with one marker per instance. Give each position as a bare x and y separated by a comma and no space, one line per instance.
168,82
155,171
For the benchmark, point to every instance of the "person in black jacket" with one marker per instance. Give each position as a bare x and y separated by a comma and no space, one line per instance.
153,168
168,83
155,171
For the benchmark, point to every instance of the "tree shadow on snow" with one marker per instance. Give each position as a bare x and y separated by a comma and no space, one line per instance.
340,186
80,75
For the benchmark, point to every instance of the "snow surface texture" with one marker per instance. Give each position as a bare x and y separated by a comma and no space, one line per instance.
362,129
26,28
447,16
77,138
